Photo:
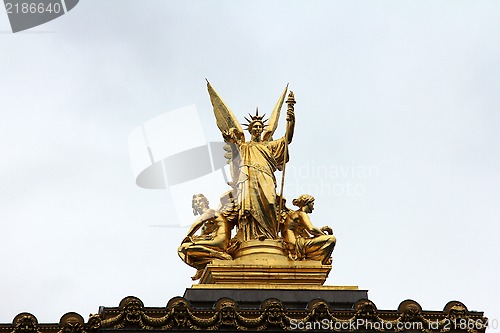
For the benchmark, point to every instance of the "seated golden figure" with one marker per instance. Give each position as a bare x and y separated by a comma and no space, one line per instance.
199,250
303,239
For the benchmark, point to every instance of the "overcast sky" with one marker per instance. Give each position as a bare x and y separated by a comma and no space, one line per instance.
397,100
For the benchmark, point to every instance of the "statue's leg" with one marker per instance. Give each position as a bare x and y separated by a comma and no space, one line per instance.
198,275
199,256
182,250
320,248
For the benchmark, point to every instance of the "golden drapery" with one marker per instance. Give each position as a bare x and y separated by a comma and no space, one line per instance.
257,188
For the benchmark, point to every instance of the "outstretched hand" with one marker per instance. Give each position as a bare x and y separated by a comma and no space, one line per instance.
327,230
290,115
227,135
230,135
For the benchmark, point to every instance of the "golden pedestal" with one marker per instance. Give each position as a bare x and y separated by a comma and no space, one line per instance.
264,263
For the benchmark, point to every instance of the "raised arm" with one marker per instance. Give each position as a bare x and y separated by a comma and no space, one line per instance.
290,123
290,117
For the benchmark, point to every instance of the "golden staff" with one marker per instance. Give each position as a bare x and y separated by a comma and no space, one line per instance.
290,102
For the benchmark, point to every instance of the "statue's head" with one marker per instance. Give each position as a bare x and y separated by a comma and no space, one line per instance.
199,204
256,125
305,202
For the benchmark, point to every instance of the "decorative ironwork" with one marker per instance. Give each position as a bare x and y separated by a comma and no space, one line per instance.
272,316
25,323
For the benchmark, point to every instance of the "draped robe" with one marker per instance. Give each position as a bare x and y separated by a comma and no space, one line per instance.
257,188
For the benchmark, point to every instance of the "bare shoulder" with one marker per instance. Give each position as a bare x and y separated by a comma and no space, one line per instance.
292,215
208,214
301,214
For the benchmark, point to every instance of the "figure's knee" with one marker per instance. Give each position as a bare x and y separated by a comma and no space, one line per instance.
182,250
328,240
332,240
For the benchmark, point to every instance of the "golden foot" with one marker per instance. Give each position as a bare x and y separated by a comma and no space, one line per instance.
197,275
224,256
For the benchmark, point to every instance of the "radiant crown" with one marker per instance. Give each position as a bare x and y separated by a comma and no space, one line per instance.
255,119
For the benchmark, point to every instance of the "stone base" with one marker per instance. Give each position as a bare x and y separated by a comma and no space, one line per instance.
263,262
232,272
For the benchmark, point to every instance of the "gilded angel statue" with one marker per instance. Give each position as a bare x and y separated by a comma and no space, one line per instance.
253,164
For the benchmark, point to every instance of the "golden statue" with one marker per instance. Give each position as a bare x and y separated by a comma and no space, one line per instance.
199,250
273,244
253,164
304,240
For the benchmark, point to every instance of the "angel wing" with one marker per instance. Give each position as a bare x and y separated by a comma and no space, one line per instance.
223,115
275,116
225,121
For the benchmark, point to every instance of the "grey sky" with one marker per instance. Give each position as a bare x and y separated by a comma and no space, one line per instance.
408,89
